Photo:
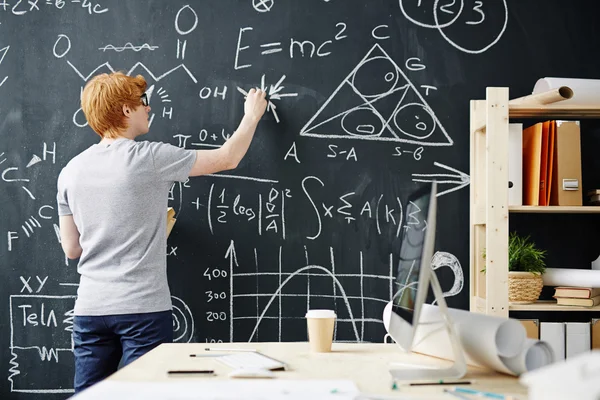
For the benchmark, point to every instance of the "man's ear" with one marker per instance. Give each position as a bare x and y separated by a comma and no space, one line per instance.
126,110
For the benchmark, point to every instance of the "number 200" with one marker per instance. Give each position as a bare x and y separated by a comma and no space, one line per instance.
216,316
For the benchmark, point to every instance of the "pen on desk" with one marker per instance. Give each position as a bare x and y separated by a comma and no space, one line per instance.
226,349
208,355
441,382
192,371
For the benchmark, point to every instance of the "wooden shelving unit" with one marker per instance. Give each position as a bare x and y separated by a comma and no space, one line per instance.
489,210
555,209
549,305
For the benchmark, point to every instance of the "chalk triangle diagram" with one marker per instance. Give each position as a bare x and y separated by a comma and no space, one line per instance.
387,108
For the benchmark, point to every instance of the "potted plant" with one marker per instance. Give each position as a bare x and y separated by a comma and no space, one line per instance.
526,264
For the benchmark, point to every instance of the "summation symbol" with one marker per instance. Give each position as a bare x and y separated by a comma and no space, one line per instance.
377,101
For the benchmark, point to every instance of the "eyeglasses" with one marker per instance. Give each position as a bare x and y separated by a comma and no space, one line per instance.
144,99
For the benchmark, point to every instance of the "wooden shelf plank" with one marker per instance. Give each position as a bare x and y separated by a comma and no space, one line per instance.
553,111
555,209
549,305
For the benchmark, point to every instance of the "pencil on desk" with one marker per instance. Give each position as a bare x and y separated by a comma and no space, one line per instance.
478,393
457,395
229,349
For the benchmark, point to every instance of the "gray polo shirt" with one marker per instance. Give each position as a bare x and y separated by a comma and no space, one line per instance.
117,194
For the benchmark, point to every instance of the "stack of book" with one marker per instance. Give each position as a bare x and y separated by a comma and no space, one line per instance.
577,296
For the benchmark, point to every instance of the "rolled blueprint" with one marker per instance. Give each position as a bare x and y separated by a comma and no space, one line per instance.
497,343
536,354
585,91
549,97
571,277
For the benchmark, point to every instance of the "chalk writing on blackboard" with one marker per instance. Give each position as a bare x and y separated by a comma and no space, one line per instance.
297,47
377,101
3,52
386,212
21,8
266,210
41,329
457,179
34,160
352,294
183,321
40,333
273,93
128,46
263,6
444,259
446,13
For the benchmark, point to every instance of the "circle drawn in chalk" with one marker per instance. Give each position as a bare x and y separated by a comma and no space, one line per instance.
362,122
64,53
79,124
415,120
435,16
183,321
194,16
263,5
437,24
375,77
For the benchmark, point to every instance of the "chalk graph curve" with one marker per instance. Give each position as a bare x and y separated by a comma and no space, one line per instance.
299,271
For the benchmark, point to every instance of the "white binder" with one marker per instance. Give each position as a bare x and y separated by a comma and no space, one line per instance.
553,333
578,338
515,164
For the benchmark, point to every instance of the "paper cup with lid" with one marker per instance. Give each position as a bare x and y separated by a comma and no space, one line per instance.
320,324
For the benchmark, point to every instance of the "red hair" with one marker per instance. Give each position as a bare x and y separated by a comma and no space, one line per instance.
103,98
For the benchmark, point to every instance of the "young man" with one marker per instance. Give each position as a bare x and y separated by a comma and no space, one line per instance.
112,202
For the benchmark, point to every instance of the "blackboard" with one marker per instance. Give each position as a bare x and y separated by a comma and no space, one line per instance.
368,99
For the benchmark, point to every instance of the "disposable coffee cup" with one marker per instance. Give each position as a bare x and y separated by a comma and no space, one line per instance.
320,325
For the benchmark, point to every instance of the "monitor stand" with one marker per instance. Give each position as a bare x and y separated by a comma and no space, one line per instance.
420,372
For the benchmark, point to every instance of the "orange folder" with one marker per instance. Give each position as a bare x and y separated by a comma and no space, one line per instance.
532,152
566,172
551,141
544,164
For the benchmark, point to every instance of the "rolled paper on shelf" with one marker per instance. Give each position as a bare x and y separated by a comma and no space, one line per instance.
571,277
586,92
551,96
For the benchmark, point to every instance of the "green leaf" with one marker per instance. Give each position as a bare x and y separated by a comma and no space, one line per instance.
523,255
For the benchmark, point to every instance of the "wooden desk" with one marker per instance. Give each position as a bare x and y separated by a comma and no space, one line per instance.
365,364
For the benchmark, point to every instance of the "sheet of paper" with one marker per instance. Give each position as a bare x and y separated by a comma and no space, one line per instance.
207,389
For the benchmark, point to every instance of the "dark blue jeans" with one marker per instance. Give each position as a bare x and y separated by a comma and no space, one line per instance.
102,342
